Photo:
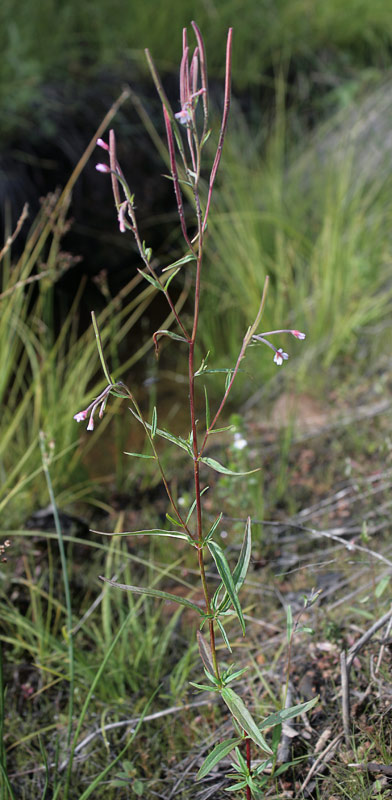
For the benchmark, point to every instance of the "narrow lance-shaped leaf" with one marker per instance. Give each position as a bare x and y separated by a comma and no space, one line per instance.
193,506
240,569
227,578
224,635
165,434
152,532
211,462
171,335
213,529
180,262
288,713
173,598
220,751
205,651
138,455
151,280
207,409
240,712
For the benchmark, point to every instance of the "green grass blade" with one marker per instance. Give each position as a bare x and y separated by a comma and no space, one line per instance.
114,761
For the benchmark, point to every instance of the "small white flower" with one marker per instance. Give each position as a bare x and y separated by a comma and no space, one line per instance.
183,116
280,356
239,442
102,168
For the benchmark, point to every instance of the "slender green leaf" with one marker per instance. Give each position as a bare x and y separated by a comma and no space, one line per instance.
204,687
236,786
240,570
211,462
381,586
205,651
224,634
239,711
205,137
212,678
235,675
180,262
227,578
193,506
138,455
213,529
221,430
206,371
208,419
261,767
172,335
170,278
174,521
154,422
173,598
151,280
288,713
242,765
178,440
153,532
220,751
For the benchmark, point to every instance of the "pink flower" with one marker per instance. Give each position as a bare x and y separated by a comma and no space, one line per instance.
80,416
101,143
102,168
280,356
121,217
298,334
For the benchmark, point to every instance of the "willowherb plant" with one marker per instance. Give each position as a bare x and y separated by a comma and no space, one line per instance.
187,132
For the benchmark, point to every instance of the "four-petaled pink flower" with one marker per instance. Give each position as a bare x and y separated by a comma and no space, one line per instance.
80,416
280,356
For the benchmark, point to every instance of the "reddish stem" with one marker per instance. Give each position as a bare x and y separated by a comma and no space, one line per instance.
249,765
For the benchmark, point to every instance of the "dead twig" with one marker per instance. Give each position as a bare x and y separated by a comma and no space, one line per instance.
317,765
346,661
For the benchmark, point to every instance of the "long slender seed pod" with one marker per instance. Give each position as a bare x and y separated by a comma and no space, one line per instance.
226,109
